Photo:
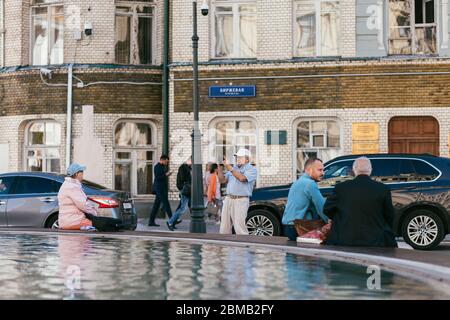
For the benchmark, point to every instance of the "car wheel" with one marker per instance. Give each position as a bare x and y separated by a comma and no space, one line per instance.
423,230
263,223
52,222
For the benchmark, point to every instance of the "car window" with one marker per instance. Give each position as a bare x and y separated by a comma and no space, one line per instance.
337,172
424,172
386,170
27,185
5,185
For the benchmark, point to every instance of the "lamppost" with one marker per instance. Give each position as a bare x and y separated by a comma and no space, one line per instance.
197,205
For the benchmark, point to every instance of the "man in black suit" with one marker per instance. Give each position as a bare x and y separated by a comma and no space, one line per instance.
361,210
161,189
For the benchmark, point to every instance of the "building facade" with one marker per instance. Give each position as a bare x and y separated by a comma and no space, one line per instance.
327,78
114,49
287,79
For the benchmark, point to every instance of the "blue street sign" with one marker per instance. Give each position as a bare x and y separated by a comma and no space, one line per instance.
232,91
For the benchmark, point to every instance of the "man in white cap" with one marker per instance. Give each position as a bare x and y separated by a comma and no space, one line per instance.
240,180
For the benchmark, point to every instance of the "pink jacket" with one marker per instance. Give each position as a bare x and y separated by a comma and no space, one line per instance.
73,203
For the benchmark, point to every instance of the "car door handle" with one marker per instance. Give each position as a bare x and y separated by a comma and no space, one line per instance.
48,200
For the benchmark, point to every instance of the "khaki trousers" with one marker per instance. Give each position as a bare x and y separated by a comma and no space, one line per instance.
234,212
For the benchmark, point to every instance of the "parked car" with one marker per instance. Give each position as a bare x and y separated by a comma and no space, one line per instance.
30,199
420,186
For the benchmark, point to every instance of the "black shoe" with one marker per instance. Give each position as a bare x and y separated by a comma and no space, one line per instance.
178,222
169,226
153,225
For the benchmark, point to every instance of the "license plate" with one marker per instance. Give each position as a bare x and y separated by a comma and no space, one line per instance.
127,206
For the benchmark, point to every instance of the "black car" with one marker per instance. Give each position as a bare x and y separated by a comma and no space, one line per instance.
29,199
420,186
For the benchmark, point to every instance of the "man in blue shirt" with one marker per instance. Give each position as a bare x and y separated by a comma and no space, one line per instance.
240,180
304,199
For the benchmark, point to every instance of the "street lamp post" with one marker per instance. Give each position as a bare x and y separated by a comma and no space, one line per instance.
198,224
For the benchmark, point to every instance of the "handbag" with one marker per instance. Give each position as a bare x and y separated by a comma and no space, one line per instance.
212,208
317,235
303,226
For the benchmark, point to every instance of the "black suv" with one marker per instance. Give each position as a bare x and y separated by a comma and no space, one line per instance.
420,186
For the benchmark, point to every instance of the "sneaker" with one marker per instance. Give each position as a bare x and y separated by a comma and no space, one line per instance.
169,226
178,222
88,228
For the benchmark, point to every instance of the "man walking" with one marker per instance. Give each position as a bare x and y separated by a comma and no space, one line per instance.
161,189
240,181
184,180
362,211
304,199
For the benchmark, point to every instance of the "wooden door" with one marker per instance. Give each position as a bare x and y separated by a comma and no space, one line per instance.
414,135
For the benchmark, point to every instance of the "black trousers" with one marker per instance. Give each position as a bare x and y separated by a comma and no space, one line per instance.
290,232
161,199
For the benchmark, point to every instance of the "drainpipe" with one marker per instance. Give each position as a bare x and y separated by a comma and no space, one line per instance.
69,114
165,93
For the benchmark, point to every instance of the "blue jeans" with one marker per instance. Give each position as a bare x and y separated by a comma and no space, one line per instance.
184,204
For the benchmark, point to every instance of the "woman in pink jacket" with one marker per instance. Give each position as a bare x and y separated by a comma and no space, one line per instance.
73,202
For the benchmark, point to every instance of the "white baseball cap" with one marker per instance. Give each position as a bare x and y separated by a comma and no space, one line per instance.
243,153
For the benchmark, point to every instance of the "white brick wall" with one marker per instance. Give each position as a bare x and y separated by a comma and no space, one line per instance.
100,48
274,30
276,163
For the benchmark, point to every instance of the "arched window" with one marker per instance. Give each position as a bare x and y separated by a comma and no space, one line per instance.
43,142
134,153
320,138
232,134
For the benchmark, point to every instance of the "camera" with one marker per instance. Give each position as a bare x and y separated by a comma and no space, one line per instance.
204,8
88,29
46,72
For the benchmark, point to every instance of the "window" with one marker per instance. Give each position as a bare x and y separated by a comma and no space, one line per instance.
424,172
317,28
235,29
319,139
232,135
47,33
30,185
134,32
134,153
337,172
42,146
5,185
412,27
386,170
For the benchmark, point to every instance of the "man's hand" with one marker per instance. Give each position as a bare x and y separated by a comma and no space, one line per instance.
227,164
169,173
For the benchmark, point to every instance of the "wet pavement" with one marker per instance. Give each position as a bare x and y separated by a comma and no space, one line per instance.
74,265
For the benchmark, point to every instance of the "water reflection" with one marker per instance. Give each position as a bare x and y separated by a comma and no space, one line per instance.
81,267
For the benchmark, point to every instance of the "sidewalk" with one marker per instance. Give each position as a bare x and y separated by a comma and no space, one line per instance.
183,227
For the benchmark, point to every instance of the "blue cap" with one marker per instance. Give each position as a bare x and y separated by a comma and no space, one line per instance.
74,168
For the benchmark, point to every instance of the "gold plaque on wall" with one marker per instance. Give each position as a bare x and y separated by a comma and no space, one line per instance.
365,147
365,131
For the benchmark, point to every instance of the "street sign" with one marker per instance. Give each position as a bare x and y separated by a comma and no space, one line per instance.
232,91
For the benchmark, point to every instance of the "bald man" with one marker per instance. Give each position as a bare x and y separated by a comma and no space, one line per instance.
361,210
